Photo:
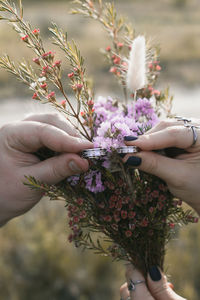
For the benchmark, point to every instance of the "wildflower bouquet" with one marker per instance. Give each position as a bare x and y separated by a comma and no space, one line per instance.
113,209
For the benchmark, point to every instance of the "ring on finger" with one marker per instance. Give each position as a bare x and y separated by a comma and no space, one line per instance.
132,284
185,120
194,132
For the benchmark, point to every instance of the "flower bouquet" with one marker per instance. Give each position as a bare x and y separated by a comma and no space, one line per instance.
113,209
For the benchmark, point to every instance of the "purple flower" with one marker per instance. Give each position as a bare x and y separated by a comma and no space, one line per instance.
93,182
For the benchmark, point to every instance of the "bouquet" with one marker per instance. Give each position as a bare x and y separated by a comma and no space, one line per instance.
113,209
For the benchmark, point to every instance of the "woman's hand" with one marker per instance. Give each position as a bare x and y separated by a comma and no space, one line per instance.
18,142
182,174
156,288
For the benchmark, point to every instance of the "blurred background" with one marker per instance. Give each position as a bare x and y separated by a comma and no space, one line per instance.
36,261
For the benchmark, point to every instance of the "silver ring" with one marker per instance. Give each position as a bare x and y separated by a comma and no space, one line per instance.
194,132
132,284
101,152
185,120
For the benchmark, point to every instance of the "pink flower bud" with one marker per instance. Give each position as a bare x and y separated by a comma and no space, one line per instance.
57,63
71,75
113,70
46,69
171,225
36,31
35,96
131,214
36,60
128,233
116,61
25,38
150,66
158,68
120,45
156,92
44,86
51,96
79,86
108,49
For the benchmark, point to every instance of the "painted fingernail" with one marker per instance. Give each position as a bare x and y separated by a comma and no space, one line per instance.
130,138
73,166
134,161
122,155
154,273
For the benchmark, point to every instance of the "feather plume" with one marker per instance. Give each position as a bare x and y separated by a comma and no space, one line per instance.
136,74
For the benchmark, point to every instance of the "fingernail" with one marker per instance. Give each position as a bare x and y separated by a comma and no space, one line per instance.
73,166
122,155
130,138
134,161
154,273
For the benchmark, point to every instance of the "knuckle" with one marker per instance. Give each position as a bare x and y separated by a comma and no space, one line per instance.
164,124
174,132
150,163
54,116
58,172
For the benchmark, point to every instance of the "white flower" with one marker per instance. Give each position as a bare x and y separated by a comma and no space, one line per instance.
42,79
33,85
136,74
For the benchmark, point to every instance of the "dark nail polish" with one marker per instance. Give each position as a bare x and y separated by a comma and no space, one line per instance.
155,274
134,161
130,138
122,155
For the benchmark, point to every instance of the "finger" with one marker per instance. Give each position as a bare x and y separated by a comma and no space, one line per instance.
124,293
141,291
159,286
29,136
56,120
171,122
163,125
166,168
55,169
175,136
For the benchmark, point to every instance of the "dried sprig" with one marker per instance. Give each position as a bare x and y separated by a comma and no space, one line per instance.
49,70
136,73
122,35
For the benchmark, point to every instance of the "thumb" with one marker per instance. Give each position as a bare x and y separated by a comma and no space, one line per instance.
159,287
164,167
55,169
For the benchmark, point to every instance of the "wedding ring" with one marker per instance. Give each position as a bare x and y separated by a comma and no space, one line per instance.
132,284
187,123
97,153
194,132
94,153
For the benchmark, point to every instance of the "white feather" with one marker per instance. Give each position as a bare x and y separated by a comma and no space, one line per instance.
136,74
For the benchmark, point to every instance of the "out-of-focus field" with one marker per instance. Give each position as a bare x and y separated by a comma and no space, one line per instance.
175,27
36,261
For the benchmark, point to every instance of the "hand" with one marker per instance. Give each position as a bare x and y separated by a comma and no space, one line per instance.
182,174
18,142
156,288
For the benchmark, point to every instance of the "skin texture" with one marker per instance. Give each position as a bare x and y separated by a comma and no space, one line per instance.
182,173
152,290
18,142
